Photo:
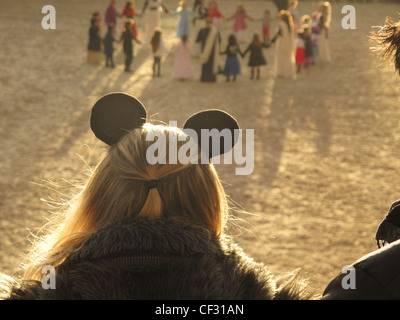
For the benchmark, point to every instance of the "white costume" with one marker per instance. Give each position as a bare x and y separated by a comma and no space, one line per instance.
324,47
153,17
323,39
286,64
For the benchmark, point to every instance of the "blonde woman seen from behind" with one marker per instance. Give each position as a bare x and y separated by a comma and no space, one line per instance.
148,230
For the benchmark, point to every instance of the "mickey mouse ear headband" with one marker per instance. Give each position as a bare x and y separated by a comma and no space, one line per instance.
208,121
115,114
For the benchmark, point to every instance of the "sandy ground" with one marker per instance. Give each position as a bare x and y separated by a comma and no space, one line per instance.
326,144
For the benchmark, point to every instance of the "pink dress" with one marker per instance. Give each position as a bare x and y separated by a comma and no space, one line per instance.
182,68
239,27
240,22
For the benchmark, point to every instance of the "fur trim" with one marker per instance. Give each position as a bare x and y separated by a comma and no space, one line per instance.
161,259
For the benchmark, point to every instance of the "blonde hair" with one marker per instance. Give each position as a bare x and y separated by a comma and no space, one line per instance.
189,193
326,10
287,18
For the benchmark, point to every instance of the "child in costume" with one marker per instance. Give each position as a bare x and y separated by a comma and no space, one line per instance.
129,12
315,33
182,67
183,25
300,51
158,48
239,27
108,42
256,59
94,54
266,26
215,14
232,65
126,38
308,50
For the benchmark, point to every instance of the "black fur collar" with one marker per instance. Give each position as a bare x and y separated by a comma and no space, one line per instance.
144,239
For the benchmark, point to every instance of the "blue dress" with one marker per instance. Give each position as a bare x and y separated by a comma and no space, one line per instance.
184,24
232,65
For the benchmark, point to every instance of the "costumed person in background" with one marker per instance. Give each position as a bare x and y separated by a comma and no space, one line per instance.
127,37
266,26
256,58
295,14
315,32
308,50
306,26
129,12
210,40
239,27
96,15
324,25
182,67
196,3
300,51
94,55
108,42
201,12
286,64
111,15
305,19
158,48
232,65
153,17
144,230
183,25
215,14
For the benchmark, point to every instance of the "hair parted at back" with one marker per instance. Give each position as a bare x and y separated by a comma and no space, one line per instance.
189,193
181,190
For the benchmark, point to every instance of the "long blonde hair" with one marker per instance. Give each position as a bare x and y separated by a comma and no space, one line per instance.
189,193
287,18
326,10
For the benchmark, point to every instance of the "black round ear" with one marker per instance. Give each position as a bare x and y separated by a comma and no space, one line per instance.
214,119
394,213
114,114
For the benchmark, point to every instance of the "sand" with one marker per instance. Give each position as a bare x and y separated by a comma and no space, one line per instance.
326,144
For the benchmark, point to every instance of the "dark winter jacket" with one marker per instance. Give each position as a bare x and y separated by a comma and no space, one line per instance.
162,259
376,277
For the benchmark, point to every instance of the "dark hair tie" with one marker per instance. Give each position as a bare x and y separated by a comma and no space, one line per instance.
151,184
